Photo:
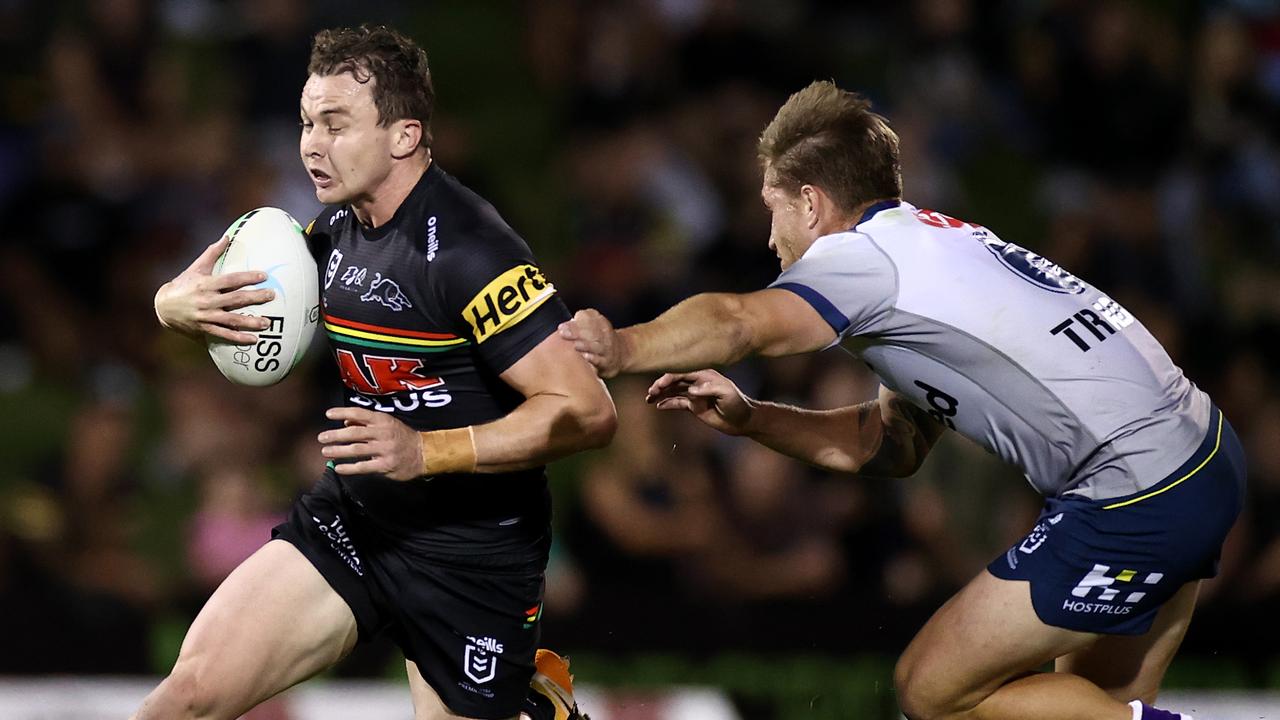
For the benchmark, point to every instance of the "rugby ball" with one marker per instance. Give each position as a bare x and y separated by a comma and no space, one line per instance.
270,240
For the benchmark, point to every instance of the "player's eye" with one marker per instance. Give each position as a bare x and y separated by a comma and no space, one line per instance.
306,125
334,130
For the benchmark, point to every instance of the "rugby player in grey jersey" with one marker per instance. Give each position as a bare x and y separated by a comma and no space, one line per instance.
1142,475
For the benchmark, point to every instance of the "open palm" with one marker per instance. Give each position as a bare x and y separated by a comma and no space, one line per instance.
707,395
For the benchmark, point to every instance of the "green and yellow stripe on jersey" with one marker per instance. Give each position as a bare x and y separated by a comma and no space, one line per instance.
386,338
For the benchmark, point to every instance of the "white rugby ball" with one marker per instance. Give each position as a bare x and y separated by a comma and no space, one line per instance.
270,240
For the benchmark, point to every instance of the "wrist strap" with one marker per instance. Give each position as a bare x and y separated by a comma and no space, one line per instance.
449,451
155,305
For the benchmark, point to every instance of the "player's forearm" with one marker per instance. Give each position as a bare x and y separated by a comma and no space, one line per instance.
543,428
841,440
702,331
887,437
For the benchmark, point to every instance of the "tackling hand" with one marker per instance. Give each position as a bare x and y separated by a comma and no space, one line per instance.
197,303
708,395
595,338
385,445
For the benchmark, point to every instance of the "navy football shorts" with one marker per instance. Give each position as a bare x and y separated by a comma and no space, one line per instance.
1106,566
471,624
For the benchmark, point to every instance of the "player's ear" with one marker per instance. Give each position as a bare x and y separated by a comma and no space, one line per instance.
811,201
406,136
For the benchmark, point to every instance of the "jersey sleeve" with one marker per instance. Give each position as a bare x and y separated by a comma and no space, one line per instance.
850,281
319,241
497,296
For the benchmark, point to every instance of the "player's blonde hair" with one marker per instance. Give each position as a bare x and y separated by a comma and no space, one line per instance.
828,137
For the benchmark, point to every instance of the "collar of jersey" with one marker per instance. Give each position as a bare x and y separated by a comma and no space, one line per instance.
875,208
429,176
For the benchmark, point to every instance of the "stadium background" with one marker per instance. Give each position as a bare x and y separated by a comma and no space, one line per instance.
1137,144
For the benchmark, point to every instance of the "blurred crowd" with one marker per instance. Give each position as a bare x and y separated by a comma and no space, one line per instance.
1135,143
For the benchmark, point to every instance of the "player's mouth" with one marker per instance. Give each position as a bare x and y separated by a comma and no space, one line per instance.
320,178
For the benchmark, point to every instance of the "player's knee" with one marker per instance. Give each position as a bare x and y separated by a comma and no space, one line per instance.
187,694
911,699
918,698
916,705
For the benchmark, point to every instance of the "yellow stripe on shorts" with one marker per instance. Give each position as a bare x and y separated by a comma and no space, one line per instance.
1216,444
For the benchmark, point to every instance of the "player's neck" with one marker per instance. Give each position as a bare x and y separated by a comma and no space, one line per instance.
855,217
836,222
377,210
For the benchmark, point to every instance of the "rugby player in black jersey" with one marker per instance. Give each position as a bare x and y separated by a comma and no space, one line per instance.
432,522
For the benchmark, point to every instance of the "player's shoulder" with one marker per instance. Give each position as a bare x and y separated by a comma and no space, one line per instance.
844,247
849,267
835,242
465,229
325,222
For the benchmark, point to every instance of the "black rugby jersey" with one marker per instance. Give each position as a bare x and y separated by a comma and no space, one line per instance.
422,315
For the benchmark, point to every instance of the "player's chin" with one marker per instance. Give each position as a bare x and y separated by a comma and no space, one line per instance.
331,194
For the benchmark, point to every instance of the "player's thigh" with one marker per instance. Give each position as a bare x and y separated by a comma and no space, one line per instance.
427,704
980,639
1130,667
271,624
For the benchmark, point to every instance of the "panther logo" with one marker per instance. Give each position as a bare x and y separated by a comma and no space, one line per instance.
386,292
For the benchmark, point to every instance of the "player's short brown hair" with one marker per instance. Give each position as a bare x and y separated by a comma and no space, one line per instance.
828,137
398,67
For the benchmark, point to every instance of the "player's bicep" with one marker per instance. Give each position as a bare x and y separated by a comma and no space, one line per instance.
785,323
572,403
553,367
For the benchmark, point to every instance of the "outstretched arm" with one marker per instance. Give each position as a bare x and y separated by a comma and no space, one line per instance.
704,330
886,437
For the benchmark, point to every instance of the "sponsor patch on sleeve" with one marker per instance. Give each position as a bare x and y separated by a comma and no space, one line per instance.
507,300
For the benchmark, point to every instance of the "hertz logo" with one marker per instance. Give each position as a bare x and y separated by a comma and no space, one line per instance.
506,300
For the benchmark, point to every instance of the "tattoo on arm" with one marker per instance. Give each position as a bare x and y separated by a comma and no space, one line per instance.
907,435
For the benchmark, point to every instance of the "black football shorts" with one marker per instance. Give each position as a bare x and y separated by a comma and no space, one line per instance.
470,623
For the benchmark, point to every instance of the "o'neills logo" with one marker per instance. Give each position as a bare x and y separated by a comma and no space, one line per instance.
506,300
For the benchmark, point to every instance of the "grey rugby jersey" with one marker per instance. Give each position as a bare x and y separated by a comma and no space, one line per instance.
1006,348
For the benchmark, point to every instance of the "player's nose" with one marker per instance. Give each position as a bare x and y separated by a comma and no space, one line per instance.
311,145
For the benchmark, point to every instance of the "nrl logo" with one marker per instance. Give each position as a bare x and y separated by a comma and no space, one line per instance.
480,659
335,259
